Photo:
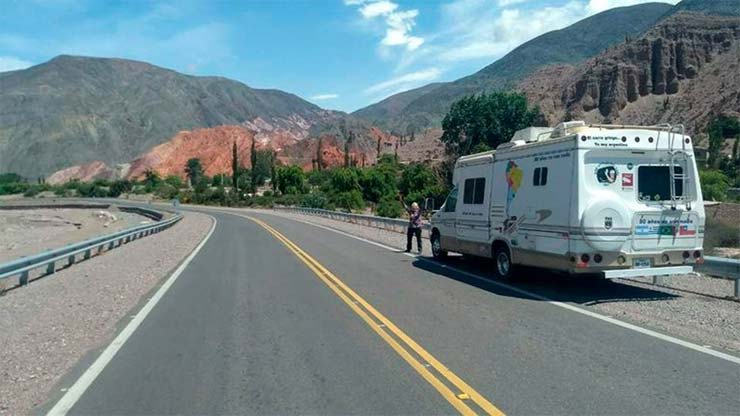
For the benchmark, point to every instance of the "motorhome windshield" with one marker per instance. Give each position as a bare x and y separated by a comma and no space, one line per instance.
653,183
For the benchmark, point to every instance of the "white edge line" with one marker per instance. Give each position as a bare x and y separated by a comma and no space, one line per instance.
74,393
633,327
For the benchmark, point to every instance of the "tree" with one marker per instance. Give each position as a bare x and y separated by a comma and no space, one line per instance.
151,180
234,169
253,160
119,187
319,154
485,121
194,170
290,180
419,181
719,129
174,181
714,185
11,178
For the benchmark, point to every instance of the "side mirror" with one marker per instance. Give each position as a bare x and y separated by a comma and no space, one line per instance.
429,204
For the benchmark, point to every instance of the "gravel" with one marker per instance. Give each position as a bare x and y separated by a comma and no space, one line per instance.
49,325
31,231
696,308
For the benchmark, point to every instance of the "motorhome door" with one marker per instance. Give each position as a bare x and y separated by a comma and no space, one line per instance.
472,224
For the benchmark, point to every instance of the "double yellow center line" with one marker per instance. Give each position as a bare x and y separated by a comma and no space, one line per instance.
460,395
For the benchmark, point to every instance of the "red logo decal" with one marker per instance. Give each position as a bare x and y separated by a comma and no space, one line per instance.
627,180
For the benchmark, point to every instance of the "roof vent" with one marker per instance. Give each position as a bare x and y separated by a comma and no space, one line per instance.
563,129
532,134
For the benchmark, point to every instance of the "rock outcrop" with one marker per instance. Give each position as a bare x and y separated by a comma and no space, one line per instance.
87,172
212,146
651,79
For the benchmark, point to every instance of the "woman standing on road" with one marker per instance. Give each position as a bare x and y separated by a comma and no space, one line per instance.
415,221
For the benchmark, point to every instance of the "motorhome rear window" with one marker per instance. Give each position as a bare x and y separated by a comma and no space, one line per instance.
474,191
480,186
654,183
540,177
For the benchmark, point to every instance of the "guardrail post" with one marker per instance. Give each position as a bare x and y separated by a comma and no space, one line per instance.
71,260
23,280
51,268
88,253
737,288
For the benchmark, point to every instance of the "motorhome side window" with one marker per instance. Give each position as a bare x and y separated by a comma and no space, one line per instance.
654,183
474,191
540,177
451,201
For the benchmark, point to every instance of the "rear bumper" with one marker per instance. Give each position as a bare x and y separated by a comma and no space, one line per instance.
652,271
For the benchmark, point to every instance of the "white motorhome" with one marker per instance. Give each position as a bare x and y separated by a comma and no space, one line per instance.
615,201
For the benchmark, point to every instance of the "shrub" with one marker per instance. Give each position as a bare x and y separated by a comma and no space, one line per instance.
389,207
349,200
315,200
714,185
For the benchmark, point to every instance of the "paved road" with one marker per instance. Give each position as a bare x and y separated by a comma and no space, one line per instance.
249,328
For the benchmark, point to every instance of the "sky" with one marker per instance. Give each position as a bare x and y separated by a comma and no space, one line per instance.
339,54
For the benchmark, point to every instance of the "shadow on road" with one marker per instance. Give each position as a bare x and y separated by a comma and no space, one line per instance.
554,286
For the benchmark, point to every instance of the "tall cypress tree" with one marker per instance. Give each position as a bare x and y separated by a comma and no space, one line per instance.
234,169
253,159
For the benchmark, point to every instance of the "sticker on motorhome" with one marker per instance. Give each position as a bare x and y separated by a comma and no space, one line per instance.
606,175
514,175
628,180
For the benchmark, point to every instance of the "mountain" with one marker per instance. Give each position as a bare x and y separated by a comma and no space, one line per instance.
712,7
426,106
685,70
74,110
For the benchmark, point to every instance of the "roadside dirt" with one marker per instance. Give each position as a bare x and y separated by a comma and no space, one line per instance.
31,231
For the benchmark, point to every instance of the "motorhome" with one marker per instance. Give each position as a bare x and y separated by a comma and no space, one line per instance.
607,200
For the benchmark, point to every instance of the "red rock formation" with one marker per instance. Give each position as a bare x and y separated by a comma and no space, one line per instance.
212,146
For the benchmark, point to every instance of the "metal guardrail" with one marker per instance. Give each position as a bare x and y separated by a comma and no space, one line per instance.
392,224
21,267
722,267
712,266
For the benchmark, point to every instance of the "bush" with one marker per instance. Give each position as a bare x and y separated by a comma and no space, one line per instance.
349,200
389,207
289,200
316,200
119,187
714,185
166,191
13,188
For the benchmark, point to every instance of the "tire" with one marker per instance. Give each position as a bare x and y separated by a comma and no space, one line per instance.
503,268
437,251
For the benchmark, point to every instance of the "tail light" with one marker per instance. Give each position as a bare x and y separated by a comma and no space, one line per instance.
598,258
686,254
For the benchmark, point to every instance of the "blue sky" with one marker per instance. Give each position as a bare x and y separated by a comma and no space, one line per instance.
340,54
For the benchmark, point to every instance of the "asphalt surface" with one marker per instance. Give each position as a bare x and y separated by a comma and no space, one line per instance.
250,329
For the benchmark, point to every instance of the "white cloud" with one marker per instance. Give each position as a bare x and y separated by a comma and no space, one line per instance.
404,82
504,3
398,23
11,63
475,30
323,97
380,8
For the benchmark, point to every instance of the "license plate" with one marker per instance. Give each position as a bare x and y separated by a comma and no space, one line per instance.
642,263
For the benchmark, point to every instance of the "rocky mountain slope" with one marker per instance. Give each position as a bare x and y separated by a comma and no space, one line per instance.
426,106
685,70
74,110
